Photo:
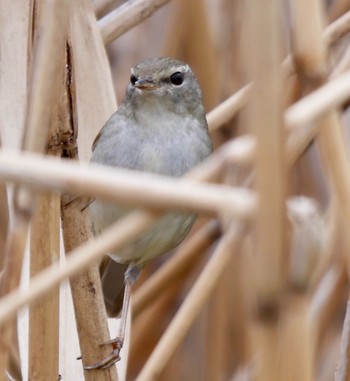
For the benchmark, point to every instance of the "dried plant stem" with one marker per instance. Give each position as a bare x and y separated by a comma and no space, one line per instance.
81,258
43,86
343,65
128,187
337,29
10,281
100,6
264,118
337,8
43,328
330,139
329,96
127,16
4,220
180,263
297,340
326,298
311,58
92,95
343,372
177,44
190,308
227,109
86,290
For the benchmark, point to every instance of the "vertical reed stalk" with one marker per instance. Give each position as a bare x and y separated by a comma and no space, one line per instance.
264,117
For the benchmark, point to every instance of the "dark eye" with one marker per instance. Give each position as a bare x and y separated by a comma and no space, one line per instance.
133,79
177,78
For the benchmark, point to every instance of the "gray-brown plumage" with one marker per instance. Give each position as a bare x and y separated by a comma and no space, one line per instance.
161,128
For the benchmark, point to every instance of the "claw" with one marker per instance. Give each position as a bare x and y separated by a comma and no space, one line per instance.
111,359
106,362
117,342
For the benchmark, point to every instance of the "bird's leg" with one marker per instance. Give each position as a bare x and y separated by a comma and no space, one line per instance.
131,275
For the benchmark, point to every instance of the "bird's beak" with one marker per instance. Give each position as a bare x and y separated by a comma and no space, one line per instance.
146,84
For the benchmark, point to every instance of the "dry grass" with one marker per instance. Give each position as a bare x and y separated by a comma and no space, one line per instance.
259,290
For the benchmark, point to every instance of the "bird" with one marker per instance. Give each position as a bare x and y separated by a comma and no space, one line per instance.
160,127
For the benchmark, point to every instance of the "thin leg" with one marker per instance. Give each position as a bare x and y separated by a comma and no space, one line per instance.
131,275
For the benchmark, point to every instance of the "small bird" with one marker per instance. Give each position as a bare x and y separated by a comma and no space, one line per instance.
161,128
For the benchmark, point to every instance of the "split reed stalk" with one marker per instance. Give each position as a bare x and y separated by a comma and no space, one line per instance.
43,85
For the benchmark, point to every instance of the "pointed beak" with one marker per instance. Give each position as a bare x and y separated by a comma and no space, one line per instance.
146,84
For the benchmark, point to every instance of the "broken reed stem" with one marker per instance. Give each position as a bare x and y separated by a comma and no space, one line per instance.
197,297
127,16
186,255
44,315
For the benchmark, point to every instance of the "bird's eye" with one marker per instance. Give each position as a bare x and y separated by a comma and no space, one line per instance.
133,79
177,78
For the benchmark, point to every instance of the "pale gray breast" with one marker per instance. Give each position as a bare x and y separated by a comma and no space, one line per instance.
169,152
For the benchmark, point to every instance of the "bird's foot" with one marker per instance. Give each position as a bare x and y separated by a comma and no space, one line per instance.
112,358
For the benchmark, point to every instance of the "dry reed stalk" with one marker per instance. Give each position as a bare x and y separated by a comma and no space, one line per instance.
101,6
186,255
112,239
312,65
327,298
296,327
93,95
86,56
146,332
45,232
318,103
330,140
337,8
226,345
44,315
127,187
304,111
197,297
78,260
191,19
4,222
342,372
88,302
224,112
43,85
127,16
337,29
343,65
262,56
296,330
297,340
